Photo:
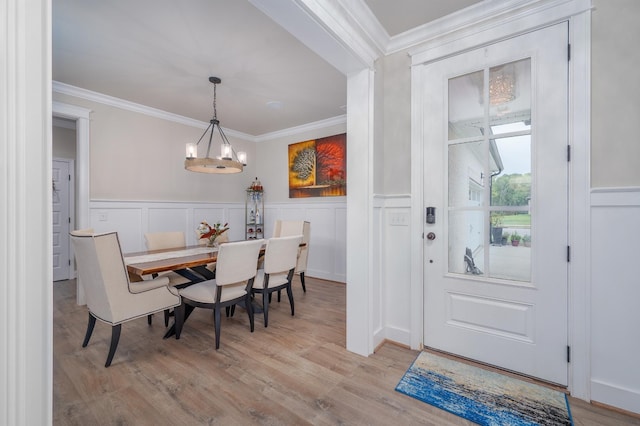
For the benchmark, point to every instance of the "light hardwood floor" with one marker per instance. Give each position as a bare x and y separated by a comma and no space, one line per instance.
294,372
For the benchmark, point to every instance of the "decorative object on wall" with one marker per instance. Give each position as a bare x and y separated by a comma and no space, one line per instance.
225,163
318,168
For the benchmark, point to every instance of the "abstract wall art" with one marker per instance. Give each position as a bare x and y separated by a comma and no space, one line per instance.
318,168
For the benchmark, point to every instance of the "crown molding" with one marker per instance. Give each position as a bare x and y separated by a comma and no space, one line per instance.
66,89
479,18
292,131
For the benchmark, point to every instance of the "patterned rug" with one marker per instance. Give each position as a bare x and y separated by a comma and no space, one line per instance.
482,396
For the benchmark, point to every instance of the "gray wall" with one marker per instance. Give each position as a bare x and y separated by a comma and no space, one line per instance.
615,104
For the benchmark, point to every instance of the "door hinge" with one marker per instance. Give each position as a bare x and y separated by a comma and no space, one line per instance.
568,353
69,176
568,253
569,52
568,152
69,262
69,220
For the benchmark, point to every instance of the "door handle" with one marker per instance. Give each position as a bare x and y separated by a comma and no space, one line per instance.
431,236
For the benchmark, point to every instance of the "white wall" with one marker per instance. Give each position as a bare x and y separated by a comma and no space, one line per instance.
132,219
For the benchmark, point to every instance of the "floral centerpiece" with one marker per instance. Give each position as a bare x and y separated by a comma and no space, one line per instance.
210,233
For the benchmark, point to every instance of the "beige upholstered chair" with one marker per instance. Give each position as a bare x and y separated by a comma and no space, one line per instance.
236,271
110,296
280,259
286,228
211,267
163,241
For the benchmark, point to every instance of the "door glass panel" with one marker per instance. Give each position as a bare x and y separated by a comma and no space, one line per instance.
510,94
466,242
510,166
489,175
510,250
466,107
466,174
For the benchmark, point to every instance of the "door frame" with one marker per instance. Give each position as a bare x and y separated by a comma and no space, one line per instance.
578,14
81,116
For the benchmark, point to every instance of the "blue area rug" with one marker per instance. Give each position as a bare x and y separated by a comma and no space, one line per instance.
482,396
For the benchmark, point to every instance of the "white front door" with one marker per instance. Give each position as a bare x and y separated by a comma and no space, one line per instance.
496,169
61,219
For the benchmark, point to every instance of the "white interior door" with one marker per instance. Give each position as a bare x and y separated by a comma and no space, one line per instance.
495,166
61,219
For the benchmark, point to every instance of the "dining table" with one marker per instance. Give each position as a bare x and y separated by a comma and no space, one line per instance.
188,261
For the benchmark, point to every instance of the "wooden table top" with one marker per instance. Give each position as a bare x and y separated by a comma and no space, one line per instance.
176,258
180,258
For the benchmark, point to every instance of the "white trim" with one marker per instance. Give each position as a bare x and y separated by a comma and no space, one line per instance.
83,132
292,131
579,212
360,95
532,15
26,293
615,197
508,22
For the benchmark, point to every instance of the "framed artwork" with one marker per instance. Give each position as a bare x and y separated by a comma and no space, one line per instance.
318,168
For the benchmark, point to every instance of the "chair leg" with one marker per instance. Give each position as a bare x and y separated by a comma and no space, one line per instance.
178,313
90,325
278,296
149,319
115,338
290,294
265,306
228,311
304,288
166,317
216,320
249,307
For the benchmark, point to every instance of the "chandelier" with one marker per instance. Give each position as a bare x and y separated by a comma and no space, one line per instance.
228,161
502,84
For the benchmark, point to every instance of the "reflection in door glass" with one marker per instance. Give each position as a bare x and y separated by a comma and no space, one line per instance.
466,108
510,93
466,242
510,250
511,171
466,174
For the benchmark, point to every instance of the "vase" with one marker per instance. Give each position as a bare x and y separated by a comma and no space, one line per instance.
212,242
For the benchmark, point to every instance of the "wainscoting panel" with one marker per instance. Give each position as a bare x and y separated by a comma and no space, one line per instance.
396,267
615,297
131,219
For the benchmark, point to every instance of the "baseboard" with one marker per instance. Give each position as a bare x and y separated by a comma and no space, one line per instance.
615,396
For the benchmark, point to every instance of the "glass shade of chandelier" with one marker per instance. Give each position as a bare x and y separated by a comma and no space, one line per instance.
228,161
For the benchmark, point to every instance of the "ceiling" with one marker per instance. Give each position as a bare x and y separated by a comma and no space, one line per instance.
160,53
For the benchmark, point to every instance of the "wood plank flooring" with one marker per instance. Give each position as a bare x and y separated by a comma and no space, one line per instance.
295,372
